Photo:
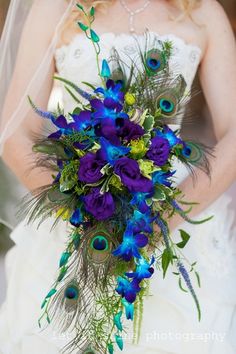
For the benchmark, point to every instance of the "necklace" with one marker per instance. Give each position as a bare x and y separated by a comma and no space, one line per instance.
133,13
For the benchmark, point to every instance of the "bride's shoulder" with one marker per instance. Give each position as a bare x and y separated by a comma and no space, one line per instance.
209,11
45,15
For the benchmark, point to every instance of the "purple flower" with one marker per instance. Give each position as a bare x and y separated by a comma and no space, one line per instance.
168,134
107,129
129,172
162,177
159,151
130,245
130,131
127,289
112,95
90,168
142,222
81,121
101,206
143,270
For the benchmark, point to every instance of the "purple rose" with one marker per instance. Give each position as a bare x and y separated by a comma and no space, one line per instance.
129,172
90,168
101,206
159,150
130,131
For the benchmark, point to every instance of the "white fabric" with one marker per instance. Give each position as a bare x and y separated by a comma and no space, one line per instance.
170,323
31,84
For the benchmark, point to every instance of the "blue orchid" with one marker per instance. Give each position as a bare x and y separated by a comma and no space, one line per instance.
130,245
141,222
106,71
117,321
129,309
168,134
139,199
143,270
76,218
64,127
127,289
102,111
110,152
81,121
162,177
113,95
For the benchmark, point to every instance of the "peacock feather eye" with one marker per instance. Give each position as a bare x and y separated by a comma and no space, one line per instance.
193,153
167,104
100,243
99,246
71,292
154,61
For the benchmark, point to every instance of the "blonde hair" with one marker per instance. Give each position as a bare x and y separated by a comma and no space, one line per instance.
186,6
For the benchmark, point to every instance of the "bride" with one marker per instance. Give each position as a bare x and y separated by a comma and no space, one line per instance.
50,41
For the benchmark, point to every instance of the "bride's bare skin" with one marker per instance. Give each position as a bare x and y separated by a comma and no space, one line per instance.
209,29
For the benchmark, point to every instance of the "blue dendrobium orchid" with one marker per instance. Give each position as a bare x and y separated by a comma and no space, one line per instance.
81,121
103,111
117,321
139,200
128,289
112,94
162,177
168,134
76,218
106,71
130,245
143,270
141,222
64,127
129,309
110,152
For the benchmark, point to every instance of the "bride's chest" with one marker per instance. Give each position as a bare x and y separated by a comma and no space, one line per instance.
77,61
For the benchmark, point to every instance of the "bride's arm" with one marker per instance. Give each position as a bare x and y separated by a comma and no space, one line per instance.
218,79
36,36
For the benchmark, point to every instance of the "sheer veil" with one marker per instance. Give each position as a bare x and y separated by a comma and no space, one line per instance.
18,13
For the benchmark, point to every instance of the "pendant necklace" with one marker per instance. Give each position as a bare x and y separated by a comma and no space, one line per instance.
133,13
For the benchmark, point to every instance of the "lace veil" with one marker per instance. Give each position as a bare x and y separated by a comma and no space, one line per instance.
18,13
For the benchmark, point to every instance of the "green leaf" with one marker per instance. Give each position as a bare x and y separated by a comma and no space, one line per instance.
119,341
94,36
110,348
185,238
51,293
44,303
198,279
159,194
64,258
166,258
77,111
82,26
62,273
92,11
181,286
80,7
89,85
148,123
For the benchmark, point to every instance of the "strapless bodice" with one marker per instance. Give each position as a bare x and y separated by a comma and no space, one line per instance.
76,61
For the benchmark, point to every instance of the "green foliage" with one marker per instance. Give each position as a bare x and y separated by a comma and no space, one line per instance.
185,238
167,258
69,176
82,26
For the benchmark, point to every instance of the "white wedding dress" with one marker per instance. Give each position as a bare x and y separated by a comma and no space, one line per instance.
170,324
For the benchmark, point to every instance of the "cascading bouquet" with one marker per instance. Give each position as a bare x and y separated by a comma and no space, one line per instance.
112,159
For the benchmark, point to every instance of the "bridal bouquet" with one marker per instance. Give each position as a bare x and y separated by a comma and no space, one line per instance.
112,159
